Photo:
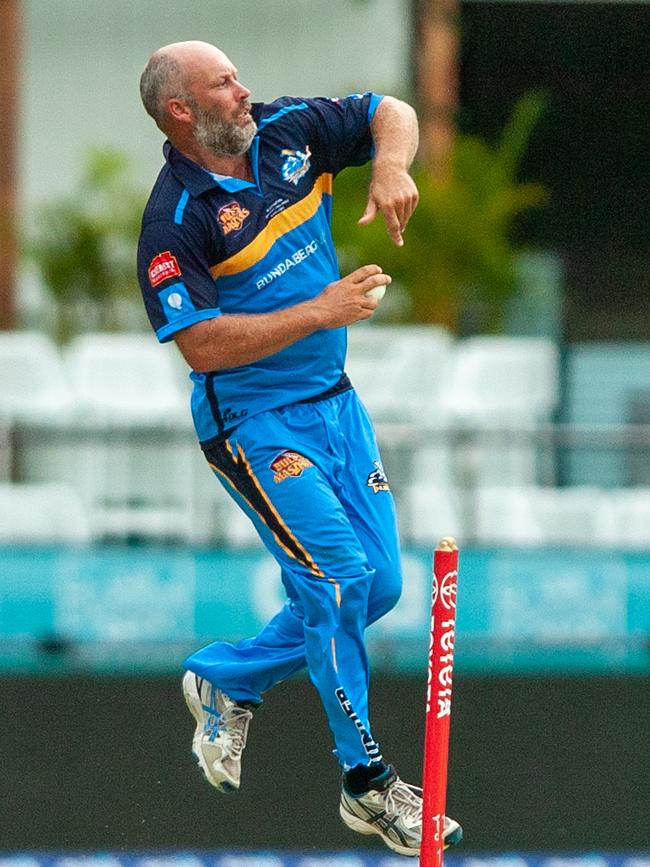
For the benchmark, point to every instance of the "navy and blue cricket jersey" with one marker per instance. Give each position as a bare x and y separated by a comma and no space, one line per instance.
212,245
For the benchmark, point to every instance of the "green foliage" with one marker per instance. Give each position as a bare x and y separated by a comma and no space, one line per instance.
458,263
85,245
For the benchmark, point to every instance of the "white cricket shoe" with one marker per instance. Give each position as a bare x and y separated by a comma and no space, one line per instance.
393,810
221,731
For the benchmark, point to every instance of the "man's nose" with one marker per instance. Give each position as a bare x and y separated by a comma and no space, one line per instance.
244,91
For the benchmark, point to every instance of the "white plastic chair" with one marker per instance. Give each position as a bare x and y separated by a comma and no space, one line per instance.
42,514
136,463
624,518
33,381
126,379
500,390
34,394
430,512
536,516
399,370
503,379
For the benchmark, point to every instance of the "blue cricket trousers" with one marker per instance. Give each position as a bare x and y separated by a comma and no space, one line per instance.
310,478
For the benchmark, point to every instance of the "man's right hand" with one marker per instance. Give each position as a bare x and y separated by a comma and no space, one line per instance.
232,340
344,301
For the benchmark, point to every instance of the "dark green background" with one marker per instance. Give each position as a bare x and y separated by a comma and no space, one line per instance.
105,763
590,149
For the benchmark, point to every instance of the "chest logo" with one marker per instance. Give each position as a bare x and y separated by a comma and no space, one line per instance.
288,465
296,164
162,267
231,217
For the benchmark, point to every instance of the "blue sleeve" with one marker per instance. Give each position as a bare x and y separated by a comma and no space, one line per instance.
175,279
343,128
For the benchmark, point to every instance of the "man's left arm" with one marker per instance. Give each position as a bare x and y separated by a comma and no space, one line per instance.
392,190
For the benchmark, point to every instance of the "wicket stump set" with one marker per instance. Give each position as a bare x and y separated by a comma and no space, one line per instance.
438,709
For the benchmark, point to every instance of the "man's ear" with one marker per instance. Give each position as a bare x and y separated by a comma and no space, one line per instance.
179,110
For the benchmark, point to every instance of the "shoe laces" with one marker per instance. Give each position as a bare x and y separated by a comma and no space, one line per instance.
417,791
230,727
235,722
405,800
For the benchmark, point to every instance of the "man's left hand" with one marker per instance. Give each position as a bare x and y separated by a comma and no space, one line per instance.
393,192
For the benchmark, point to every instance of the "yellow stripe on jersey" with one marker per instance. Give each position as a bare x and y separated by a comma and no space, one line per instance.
278,226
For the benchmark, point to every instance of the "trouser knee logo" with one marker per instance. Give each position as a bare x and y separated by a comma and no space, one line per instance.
377,479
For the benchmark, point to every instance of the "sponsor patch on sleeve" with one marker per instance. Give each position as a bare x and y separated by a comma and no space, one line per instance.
162,267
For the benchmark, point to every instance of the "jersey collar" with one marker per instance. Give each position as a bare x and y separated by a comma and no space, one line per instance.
198,180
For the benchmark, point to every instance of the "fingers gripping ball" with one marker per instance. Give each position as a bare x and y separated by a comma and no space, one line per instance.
378,292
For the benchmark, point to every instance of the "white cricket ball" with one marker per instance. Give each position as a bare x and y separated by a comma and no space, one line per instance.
378,292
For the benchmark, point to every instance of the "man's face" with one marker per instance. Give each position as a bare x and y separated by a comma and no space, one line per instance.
219,102
222,136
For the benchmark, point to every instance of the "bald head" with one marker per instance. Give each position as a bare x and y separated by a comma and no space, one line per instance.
170,71
192,91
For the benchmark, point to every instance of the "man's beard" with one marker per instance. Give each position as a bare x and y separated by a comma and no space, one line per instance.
222,137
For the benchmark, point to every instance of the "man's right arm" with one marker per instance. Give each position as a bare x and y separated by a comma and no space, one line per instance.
232,340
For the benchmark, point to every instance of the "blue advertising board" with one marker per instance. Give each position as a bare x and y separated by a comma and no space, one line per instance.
141,609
